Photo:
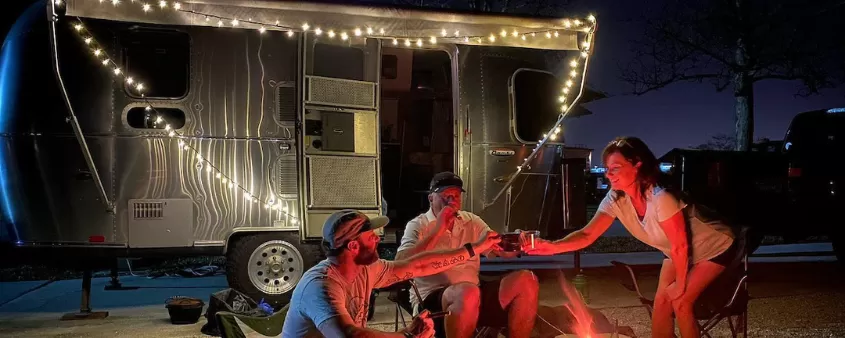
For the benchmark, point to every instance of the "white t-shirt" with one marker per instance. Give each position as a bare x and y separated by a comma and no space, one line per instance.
468,228
323,294
710,237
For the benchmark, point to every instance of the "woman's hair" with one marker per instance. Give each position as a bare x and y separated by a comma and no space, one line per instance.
635,150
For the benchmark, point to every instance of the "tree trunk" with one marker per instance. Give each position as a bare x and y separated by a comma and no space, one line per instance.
743,84
744,109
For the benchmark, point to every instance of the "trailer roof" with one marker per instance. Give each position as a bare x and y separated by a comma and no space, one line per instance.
404,24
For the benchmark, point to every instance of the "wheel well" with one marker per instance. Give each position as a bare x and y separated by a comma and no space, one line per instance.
238,233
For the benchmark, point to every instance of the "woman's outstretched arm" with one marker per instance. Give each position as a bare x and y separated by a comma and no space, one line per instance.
576,240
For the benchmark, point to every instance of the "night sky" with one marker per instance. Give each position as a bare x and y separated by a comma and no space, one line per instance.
681,115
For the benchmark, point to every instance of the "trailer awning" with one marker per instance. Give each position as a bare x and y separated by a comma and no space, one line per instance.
347,21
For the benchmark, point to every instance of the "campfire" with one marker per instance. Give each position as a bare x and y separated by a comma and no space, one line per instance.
578,320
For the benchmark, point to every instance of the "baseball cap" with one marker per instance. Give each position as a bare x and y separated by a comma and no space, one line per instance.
345,225
444,180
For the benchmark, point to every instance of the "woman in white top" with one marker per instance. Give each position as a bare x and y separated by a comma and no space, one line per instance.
698,248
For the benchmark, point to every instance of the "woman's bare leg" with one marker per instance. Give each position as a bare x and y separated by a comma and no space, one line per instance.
699,277
662,325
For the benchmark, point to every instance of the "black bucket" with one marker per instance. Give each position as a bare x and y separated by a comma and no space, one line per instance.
184,310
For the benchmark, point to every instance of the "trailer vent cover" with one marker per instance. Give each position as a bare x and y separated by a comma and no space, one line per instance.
148,210
340,92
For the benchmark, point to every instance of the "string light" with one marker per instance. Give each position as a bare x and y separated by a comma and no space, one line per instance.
370,31
202,162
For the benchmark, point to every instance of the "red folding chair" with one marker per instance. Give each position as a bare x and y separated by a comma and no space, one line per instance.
726,298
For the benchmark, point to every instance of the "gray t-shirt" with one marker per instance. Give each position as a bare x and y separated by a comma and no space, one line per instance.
323,294
710,236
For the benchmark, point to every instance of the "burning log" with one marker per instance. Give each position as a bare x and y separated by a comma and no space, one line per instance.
576,319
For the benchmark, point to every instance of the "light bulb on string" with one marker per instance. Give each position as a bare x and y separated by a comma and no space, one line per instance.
162,4
357,31
177,6
331,33
344,36
369,31
147,7
573,63
262,30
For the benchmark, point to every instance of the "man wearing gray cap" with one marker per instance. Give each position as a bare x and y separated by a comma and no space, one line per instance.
510,301
332,297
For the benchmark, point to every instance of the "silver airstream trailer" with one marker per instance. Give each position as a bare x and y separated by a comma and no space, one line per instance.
135,128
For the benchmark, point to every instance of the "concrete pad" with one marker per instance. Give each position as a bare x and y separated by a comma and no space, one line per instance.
64,296
10,290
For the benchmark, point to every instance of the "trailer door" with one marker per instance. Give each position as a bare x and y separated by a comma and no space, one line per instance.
339,130
491,144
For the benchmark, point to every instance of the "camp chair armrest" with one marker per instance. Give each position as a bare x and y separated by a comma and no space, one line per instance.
630,271
739,286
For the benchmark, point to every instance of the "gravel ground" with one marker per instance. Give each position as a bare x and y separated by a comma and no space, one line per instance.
788,300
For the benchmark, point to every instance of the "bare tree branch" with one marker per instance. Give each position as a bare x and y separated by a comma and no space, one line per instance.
736,43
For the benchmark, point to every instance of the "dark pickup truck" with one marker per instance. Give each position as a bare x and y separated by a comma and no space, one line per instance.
795,191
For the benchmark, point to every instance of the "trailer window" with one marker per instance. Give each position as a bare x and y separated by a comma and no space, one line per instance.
161,59
155,118
533,110
339,62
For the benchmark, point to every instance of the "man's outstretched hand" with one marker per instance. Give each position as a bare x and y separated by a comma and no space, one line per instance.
422,326
490,241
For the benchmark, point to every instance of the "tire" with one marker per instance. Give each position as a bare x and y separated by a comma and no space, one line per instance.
249,267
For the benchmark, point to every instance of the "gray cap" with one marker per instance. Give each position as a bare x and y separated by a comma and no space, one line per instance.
345,225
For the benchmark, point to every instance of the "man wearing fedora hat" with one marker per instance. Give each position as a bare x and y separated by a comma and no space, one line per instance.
509,301
332,297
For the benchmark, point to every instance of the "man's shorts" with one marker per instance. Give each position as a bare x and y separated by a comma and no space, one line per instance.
490,311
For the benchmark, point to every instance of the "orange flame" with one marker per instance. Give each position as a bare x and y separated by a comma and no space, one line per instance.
583,325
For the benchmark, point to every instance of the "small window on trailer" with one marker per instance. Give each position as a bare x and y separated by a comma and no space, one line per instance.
161,59
535,108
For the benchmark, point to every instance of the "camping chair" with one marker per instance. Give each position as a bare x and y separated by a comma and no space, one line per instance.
399,294
726,298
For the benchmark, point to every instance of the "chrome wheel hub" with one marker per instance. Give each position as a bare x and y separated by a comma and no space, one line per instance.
275,267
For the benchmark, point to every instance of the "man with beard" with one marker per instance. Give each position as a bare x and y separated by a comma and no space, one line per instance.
509,301
332,297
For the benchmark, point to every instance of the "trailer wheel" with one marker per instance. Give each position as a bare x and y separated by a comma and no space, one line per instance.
268,265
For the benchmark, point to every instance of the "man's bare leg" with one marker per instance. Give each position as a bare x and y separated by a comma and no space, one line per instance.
462,300
518,294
